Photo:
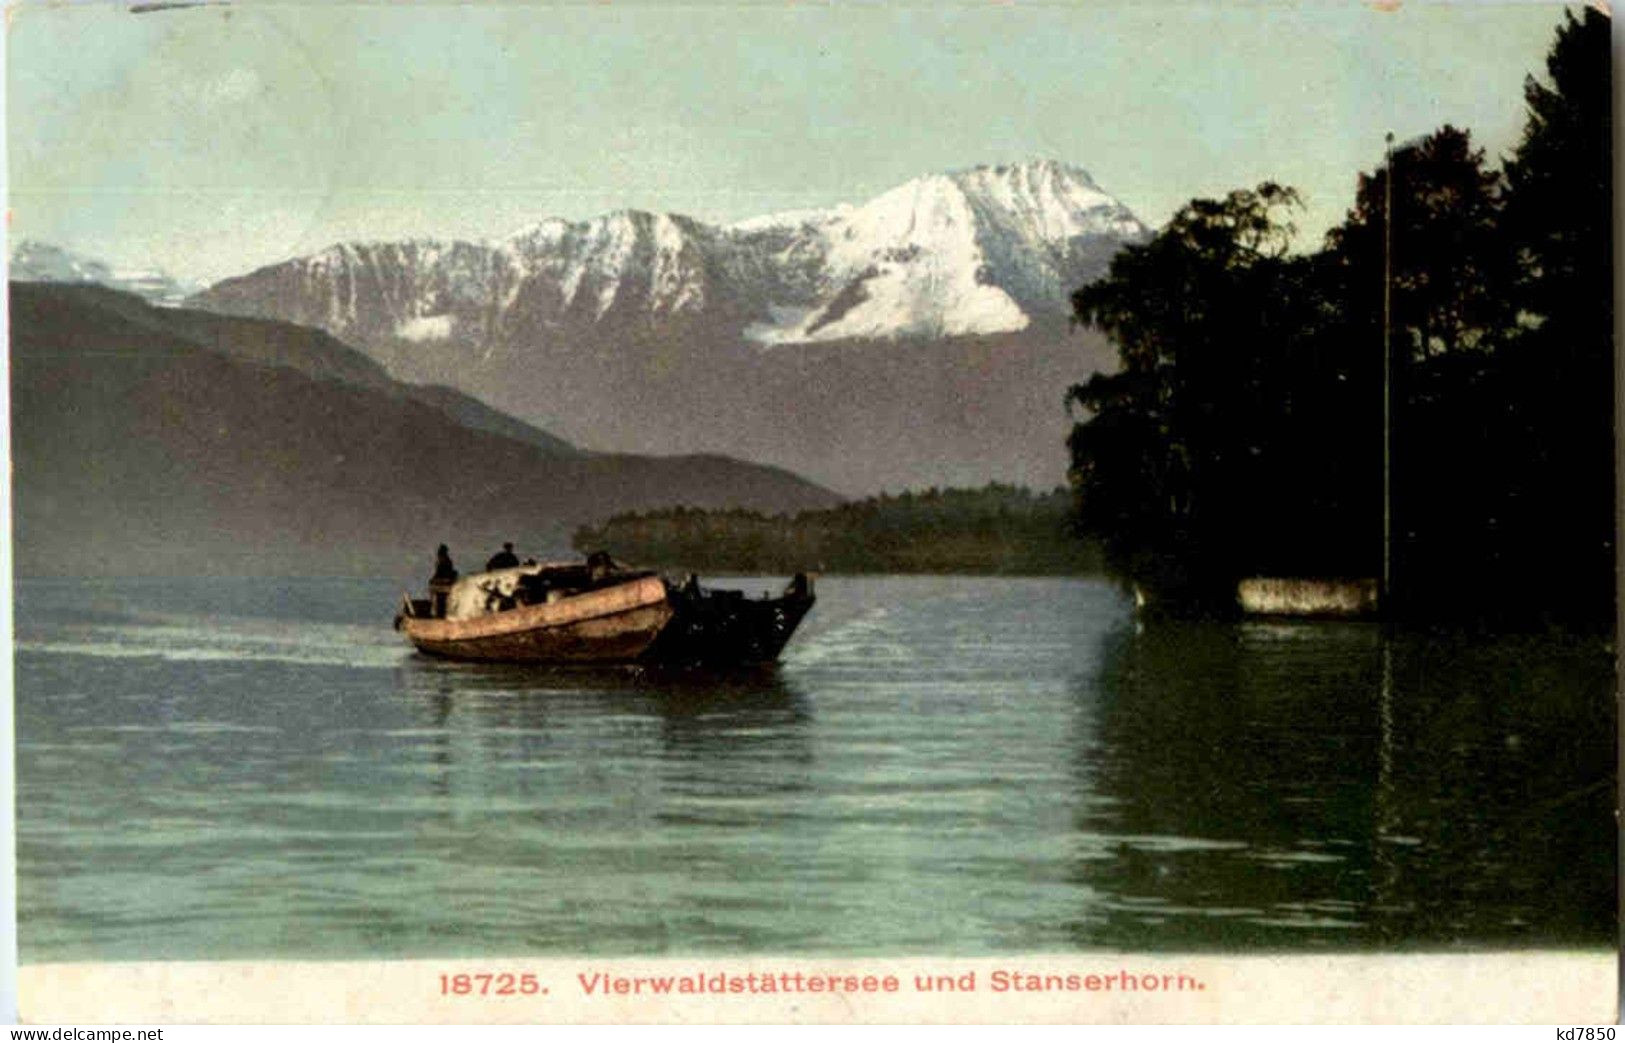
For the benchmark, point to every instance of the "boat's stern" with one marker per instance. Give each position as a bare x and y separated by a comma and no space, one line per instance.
726,627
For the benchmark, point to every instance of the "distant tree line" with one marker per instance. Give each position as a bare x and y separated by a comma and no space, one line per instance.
998,529
1243,433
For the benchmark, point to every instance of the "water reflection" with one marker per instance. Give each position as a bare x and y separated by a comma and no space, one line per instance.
719,732
1502,791
1323,785
746,702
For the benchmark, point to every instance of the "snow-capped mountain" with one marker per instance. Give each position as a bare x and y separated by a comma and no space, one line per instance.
644,332
33,261
976,251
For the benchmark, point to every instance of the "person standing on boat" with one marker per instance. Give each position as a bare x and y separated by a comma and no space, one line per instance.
503,559
445,574
444,570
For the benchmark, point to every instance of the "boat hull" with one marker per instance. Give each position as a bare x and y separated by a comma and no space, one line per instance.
617,624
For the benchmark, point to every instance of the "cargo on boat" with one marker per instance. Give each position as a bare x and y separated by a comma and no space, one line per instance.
599,611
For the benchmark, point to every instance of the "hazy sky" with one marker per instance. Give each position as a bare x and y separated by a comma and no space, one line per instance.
210,140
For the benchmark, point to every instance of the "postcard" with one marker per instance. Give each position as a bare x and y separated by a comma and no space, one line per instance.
838,513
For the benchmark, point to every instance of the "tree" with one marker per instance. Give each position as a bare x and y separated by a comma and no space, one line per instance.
1560,499
1426,226
1189,465
1451,272
1560,202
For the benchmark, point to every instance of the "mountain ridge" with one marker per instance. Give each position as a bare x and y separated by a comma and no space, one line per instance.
921,337
35,261
153,441
979,250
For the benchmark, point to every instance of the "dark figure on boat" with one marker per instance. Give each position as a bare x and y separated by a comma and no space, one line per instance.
503,559
445,574
599,566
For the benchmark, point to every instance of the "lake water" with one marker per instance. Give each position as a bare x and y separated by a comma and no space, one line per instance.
213,769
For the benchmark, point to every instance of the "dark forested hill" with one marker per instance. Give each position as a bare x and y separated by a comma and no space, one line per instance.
996,530
161,441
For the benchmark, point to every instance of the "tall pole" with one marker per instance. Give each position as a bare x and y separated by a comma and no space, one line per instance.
1386,593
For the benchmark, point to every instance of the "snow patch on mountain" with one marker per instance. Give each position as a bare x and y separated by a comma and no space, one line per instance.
630,258
426,327
790,219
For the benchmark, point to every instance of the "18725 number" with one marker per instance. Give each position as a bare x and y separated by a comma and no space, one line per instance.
489,984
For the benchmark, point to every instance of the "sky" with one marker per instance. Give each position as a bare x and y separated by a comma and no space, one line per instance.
210,140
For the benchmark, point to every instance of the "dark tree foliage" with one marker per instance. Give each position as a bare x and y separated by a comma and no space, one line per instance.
1560,369
1451,271
995,530
1561,202
1451,277
1504,482
1197,465
1243,432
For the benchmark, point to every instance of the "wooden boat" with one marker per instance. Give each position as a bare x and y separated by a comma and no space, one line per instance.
599,612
